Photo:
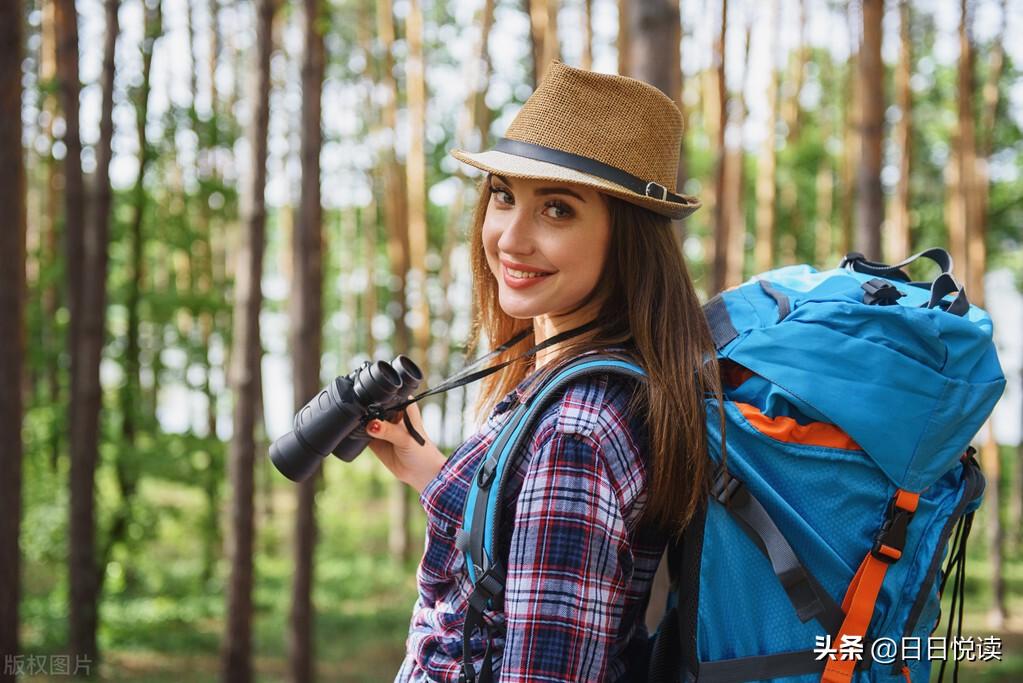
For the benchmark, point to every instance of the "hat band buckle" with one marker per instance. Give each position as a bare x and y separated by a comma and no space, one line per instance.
662,188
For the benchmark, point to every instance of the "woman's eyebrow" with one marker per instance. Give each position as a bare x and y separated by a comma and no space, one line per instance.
545,190
558,190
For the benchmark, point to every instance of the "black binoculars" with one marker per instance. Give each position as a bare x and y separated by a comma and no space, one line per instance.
334,421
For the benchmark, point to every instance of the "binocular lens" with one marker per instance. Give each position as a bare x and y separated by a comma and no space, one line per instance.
376,382
408,370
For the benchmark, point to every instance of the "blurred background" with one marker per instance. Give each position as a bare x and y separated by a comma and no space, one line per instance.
216,206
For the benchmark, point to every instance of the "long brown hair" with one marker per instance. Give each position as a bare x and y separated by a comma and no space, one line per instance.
649,305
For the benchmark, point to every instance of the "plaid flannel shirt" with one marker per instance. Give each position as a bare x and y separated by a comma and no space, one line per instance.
580,564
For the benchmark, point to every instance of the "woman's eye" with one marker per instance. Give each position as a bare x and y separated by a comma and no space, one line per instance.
558,209
504,197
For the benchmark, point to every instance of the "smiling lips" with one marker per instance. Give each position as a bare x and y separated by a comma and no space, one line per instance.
518,275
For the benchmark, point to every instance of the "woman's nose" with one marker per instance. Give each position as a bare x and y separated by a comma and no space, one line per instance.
517,238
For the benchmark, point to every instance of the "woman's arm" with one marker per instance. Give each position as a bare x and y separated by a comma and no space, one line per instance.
568,569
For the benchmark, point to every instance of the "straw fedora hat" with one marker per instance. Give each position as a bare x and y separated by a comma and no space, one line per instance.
615,134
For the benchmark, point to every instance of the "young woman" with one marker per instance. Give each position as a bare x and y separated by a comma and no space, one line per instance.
572,230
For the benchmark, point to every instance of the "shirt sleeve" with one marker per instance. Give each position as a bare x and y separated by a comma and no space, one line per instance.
568,568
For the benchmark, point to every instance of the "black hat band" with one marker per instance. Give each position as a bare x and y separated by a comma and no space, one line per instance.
592,167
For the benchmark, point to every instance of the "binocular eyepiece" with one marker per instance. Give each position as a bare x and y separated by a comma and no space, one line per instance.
334,421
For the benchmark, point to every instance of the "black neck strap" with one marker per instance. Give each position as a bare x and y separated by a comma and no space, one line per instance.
467,376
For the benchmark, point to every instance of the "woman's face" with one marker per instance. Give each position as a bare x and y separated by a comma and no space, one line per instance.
546,242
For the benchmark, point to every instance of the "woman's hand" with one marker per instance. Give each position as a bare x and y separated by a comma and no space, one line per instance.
408,461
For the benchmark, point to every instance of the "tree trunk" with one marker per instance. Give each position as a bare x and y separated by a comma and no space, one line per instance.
214,54
543,35
84,451
981,191
95,256
899,240
476,112
236,655
415,169
870,210
735,180
212,475
991,94
368,231
481,108
976,147
721,214
992,91
396,209
825,186
788,102
395,215
962,179
551,42
587,60
789,112
369,216
682,175
536,11
218,238
262,466
763,250
306,341
654,54
735,230
851,138
623,37
12,320
211,478
991,463
49,338
825,183
348,261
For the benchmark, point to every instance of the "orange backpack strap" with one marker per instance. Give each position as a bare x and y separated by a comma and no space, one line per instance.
861,595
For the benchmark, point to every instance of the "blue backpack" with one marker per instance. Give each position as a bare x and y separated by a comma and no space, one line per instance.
850,399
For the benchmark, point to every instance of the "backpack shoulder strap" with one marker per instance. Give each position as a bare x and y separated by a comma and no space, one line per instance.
477,538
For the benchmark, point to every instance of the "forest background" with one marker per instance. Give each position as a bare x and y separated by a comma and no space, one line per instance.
216,206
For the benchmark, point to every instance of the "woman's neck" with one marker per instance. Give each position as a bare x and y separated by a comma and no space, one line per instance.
546,326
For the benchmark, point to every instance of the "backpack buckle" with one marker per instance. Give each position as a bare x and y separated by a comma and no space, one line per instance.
486,473
880,292
891,538
725,486
489,585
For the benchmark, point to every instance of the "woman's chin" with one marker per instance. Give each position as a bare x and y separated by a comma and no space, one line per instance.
515,306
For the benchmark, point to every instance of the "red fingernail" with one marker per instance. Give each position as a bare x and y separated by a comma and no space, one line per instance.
374,426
